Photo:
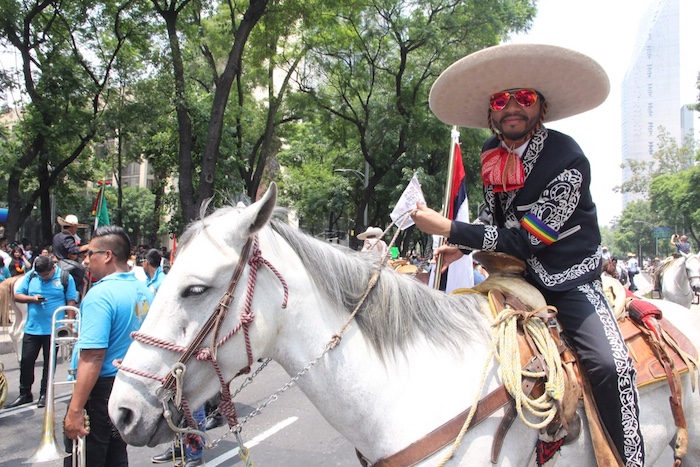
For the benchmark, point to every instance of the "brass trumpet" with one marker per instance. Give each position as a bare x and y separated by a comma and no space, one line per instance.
49,448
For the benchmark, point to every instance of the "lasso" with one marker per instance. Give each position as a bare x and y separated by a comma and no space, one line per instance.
507,353
504,346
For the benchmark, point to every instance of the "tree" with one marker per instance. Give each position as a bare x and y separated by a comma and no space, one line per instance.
676,197
668,159
370,72
67,55
634,230
242,23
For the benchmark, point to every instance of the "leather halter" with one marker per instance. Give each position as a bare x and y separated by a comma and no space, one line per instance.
216,318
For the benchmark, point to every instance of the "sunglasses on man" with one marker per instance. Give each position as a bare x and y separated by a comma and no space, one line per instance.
524,98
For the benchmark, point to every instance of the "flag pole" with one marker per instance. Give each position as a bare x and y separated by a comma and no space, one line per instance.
99,202
454,138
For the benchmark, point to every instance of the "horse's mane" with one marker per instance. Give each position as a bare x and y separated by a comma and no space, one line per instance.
399,311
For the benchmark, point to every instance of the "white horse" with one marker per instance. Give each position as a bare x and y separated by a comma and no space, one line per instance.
680,281
7,303
407,345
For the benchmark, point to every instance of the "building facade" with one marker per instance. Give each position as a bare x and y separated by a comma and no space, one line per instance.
651,90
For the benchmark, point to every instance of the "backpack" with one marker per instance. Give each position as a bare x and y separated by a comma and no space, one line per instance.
64,279
76,270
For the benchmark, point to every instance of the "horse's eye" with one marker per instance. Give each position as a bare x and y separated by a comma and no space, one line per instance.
194,290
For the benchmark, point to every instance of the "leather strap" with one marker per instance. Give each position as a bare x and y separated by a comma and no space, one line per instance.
603,447
503,427
529,383
442,436
680,446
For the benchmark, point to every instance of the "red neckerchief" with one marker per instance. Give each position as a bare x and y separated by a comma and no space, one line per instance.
503,169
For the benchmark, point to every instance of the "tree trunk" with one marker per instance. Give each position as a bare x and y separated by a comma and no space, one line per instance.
223,89
184,123
46,219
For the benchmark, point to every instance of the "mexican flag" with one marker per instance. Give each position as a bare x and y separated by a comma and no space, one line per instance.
99,208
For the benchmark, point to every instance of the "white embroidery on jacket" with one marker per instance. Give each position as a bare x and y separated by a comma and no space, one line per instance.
490,238
586,266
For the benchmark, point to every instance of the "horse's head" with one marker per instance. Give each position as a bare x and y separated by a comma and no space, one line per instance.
692,269
204,307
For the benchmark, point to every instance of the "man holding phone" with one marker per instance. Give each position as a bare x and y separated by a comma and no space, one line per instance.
43,290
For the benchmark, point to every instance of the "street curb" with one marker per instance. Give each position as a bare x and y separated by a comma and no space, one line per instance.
6,347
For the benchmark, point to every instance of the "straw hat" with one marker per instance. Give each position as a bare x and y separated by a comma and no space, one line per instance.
371,232
571,82
631,255
70,221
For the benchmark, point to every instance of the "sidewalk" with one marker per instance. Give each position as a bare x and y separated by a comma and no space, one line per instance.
6,345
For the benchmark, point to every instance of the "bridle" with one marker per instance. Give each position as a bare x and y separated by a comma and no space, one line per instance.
685,265
171,390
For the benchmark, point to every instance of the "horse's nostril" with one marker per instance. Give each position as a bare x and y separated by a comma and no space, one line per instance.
126,416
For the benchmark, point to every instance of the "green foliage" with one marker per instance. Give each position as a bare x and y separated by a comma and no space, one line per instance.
138,219
69,51
320,85
635,229
372,71
670,180
669,158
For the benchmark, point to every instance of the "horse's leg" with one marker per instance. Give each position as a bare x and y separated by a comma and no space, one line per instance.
17,328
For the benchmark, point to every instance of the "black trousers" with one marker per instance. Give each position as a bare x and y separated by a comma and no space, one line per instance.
31,345
590,326
104,447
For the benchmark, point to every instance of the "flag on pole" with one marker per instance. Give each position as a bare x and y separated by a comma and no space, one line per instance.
172,252
460,274
99,207
459,206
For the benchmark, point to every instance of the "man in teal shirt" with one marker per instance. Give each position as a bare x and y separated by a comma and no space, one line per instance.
112,309
43,289
154,272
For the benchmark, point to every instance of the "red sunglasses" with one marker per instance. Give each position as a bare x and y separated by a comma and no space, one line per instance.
524,98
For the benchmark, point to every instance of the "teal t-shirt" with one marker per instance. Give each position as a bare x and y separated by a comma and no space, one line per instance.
4,273
154,282
112,309
39,315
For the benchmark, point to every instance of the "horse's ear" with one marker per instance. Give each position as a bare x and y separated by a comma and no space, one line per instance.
259,213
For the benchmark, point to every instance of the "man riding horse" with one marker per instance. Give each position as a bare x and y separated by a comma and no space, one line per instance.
539,204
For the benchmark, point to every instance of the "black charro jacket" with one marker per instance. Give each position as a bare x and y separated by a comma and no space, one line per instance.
550,223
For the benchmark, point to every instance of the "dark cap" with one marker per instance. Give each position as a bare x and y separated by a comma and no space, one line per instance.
42,264
153,257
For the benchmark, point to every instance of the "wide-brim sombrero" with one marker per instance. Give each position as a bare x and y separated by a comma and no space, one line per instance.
370,232
70,221
570,81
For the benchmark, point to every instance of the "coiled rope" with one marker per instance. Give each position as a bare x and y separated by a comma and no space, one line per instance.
507,353
504,346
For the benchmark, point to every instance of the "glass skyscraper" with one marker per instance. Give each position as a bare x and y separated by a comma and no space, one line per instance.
651,89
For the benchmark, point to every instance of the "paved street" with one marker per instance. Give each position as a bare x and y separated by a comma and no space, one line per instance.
288,432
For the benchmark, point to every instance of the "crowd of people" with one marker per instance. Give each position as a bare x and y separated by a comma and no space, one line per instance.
625,270
113,283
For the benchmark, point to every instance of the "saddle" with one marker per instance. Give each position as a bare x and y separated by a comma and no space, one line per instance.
658,349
